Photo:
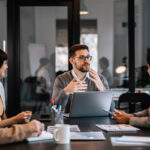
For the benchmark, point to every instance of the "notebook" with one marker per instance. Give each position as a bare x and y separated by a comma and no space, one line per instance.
44,136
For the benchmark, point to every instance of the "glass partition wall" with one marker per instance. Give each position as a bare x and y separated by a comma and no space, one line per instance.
142,43
43,53
43,37
104,28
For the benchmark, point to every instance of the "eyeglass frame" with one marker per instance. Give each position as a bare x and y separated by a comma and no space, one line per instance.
84,57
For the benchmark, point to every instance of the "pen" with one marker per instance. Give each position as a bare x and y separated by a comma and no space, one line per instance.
52,105
53,108
52,102
59,107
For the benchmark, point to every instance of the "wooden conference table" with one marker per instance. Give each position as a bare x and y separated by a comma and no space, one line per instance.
85,124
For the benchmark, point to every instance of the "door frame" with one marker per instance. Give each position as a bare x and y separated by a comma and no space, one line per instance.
13,40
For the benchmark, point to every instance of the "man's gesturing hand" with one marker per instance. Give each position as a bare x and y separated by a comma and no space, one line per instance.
75,86
96,79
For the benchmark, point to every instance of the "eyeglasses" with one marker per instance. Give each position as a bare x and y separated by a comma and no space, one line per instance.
84,57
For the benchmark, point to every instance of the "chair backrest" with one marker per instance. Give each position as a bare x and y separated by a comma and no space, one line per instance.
134,98
30,86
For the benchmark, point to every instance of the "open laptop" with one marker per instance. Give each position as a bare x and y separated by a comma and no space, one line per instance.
91,103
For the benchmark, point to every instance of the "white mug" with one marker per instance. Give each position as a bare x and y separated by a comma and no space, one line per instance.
62,134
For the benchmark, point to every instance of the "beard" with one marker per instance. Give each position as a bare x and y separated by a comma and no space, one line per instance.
83,68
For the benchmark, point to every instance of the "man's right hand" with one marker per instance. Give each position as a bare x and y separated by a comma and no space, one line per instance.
37,126
75,86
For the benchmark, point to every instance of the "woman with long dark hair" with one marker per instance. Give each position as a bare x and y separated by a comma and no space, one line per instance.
20,118
16,130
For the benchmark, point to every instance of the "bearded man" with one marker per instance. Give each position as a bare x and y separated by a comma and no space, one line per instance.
80,79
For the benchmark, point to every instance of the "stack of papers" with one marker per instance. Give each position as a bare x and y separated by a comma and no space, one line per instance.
87,136
117,127
73,128
44,136
75,133
130,141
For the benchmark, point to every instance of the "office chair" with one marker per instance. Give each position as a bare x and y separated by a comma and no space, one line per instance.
133,98
30,94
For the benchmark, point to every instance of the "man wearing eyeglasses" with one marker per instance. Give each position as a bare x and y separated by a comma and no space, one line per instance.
80,79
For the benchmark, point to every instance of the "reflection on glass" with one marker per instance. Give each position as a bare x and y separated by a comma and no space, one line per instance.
106,23
142,38
62,46
62,59
104,65
91,41
42,40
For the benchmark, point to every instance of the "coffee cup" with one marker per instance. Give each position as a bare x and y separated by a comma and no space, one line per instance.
62,134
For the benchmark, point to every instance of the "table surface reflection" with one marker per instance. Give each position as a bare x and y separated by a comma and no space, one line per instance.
85,124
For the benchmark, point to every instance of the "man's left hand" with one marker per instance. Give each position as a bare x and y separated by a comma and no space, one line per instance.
96,79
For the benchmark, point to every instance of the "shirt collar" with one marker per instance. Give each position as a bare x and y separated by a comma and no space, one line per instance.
77,79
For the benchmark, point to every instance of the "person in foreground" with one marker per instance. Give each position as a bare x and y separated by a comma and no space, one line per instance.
80,79
139,119
11,130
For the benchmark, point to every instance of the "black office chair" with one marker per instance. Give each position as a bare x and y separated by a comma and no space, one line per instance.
133,98
30,94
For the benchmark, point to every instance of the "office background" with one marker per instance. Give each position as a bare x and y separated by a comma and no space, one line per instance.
30,30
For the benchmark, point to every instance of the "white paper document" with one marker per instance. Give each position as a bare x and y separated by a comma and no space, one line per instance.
116,142
87,136
117,127
73,128
138,139
44,136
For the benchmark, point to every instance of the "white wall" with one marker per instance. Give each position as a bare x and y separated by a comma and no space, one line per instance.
138,33
3,22
45,29
102,11
26,37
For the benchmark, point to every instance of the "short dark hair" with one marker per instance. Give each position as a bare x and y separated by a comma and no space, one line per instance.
148,56
77,47
3,57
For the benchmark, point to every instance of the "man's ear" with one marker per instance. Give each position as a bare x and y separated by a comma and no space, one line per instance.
71,60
